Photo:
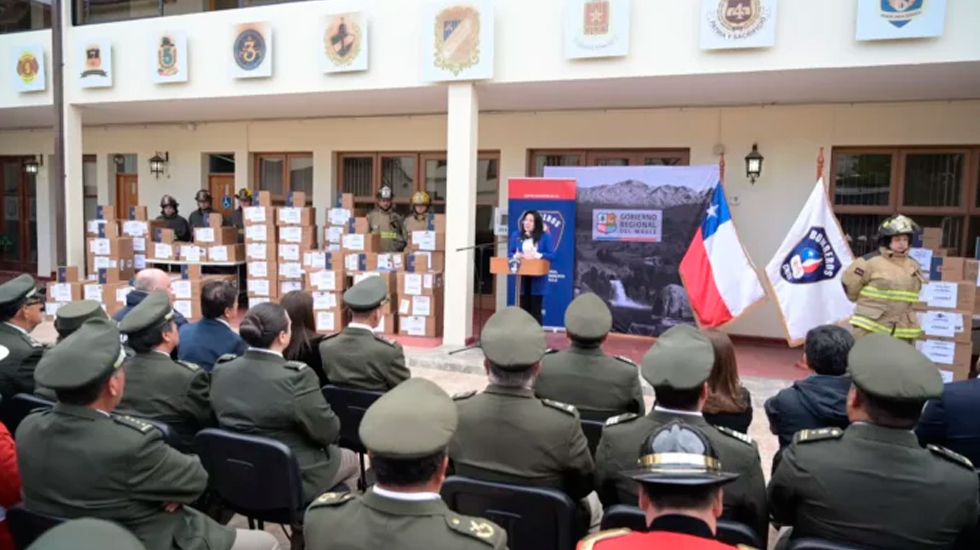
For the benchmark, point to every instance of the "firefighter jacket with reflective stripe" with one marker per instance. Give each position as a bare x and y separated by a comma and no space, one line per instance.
884,285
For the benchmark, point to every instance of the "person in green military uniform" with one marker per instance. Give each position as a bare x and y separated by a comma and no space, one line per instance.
406,433
261,393
872,484
508,435
21,311
357,357
384,221
67,320
176,393
87,534
678,366
573,375
79,459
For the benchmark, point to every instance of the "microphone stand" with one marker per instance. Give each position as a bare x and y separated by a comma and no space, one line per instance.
479,296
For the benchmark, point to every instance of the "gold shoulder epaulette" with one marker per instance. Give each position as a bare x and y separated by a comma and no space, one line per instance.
134,423
821,434
477,528
621,419
331,499
744,438
949,455
589,542
563,407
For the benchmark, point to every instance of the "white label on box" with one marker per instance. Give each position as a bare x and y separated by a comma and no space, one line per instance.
254,214
181,289
135,228
218,253
256,251
61,292
100,247
314,259
413,284
365,275
259,287
289,286
192,253
163,250
427,280
385,263
938,351
924,257
338,216
258,269
184,308
291,270
353,242
352,262
325,321
424,240
398,261
94,225
204,234
413,326
421,305
324,300
939,323
122,293
139,244
139,261
291,234
290,214
324,280
51,308
939,294
257,233
101,262
252,302
404,306
93,292
333,247
947,376
334,234
289,252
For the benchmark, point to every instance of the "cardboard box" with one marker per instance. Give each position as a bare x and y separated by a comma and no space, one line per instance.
65,292
191,309
262,288
334,234
947,325
428,241
291,271
420,306
435,222
259,233
164,235
425,262
388,261
220,235
259,215
139,261
294,234
388,324
355,262
193,253
95,263
296,199
285,287
288,252
952,358
108,294
105,276
105,212
216,220
262,269
345,200
116,247
263,198
425,327
190,272
419,284
361,243
316,260
162,251
67,274
94,228
947,295
139,245
339,216
325,281
260,251
949,269
191,289
303,216
330,321
136,228
931,237
326,300
256,300
138,213
226,253
389,277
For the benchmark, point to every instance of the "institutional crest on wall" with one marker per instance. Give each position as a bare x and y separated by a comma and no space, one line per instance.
729,24
28,68
596,28
344,43
252,50
95,61
901,12
900,19
458,40
168,57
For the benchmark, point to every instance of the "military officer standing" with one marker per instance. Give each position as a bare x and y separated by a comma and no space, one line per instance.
357,357
384,221
872,484
67,320
176,393
78,459
573,375
406,432
21,311
678,366
508,435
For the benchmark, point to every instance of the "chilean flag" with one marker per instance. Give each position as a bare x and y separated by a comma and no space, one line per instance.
720,279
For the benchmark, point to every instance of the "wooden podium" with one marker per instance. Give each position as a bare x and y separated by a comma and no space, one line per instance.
529,268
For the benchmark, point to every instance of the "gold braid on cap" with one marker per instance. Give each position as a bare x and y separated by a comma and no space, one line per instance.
657,461
120,359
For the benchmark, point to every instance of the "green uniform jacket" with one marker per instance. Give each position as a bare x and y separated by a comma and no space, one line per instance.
262,394
359,358
389,226
507,435
173,392
572,376
374,522
874,486
79,462
745,498
16,375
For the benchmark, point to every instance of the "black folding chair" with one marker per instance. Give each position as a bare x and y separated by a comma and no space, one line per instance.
736,533
631,517
593,433
350,404
807,543
534,518
26,526
256,477
19,406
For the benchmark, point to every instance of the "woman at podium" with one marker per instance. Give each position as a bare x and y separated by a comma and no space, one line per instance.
532,242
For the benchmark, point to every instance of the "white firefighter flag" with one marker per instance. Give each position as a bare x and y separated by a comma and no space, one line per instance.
805,273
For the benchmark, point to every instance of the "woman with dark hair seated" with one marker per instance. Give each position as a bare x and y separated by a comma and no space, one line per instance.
729,404
304,346
261,393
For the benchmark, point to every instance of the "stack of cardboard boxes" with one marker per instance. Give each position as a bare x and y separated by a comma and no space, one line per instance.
420,280
297,236
261,252
214,243
187,290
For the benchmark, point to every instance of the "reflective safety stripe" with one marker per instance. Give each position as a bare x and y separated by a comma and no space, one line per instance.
873,326
389,235
907,332
891,295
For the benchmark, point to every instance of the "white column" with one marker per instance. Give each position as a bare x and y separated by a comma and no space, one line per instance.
47,211
461,139
105,180
74,211
243,169
323,185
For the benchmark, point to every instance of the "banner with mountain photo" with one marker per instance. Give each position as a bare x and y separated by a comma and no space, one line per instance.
633,226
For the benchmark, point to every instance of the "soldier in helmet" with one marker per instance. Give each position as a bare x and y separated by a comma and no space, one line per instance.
173,220
244,197
419,220
386,222
885,284
199,217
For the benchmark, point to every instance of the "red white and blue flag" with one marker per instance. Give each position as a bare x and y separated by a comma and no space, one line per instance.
720,279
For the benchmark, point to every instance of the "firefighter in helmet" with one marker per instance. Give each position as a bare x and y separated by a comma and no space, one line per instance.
244,197
173,220
419,220
885,284
199,217
384,221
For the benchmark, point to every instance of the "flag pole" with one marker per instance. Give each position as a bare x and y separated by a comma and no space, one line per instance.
721,168
820,163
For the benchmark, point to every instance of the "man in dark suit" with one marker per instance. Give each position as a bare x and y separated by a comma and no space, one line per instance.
203,342
953,420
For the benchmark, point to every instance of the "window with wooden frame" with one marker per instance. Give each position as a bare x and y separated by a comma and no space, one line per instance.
538,159
280,173
935,186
